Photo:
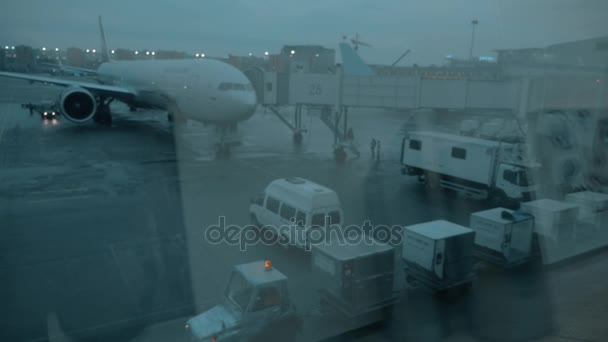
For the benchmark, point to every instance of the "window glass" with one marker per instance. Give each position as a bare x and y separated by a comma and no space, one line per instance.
239,291
300,218
272,204
459,153
267,297
415,144
525,179
510,176
334,217
287,211
318,219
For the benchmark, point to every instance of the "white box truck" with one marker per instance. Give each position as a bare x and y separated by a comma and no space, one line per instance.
593,207
503,236
479,168
553,219
438,253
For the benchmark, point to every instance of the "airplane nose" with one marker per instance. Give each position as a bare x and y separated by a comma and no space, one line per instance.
248,105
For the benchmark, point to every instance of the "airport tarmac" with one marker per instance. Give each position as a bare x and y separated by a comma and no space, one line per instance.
136,198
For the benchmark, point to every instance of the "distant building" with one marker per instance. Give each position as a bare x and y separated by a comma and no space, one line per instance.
588,53
165,54
306,59
75,57
247,62
24,58
2,59
123,55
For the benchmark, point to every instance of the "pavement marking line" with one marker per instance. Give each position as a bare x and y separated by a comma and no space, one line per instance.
72,198
54,330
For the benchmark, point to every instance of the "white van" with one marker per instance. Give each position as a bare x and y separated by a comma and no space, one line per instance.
292,205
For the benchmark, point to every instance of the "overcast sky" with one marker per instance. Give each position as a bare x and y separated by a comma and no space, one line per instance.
430,28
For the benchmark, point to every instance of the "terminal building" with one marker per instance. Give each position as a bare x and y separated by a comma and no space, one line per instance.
591,53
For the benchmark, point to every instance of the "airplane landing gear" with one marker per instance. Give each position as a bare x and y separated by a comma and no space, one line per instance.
340,154
103,115
222,149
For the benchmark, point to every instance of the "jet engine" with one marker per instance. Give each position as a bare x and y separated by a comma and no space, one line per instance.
77,104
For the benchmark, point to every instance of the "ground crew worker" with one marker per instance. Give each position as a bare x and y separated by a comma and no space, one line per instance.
373,148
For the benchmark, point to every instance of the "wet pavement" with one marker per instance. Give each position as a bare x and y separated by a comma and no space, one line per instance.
104,226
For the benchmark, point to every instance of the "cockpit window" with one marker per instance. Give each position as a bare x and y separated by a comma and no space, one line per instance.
235,86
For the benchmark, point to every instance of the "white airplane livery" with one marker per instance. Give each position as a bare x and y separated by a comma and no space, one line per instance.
205,90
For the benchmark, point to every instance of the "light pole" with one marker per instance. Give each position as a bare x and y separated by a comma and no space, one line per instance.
474,23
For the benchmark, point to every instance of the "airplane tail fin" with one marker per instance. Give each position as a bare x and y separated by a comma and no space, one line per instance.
352,64
105,57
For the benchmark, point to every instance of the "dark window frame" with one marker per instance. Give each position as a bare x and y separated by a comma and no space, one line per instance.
300,218
314,219
270,204
287,215
459,153
510,176
332,217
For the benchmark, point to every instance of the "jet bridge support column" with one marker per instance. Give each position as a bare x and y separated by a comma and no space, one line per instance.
343,137
297,119
296,127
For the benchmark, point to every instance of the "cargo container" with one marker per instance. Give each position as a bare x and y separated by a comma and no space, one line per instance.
553,220
358,277
355,283
439,253
503,236
593,207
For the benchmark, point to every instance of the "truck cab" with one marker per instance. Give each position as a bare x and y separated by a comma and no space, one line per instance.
255,303
516,182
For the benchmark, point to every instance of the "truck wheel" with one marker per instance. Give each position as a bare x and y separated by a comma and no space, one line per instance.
497,198
450,193
432,180
297,138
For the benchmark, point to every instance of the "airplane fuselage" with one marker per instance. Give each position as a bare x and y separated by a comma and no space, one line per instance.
204,90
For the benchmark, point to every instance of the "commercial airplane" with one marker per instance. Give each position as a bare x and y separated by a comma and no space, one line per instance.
205,90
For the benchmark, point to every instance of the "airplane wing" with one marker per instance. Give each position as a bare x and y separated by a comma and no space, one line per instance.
119,93
72,69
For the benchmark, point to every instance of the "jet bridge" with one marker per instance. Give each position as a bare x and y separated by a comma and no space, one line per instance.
335,93
408,93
